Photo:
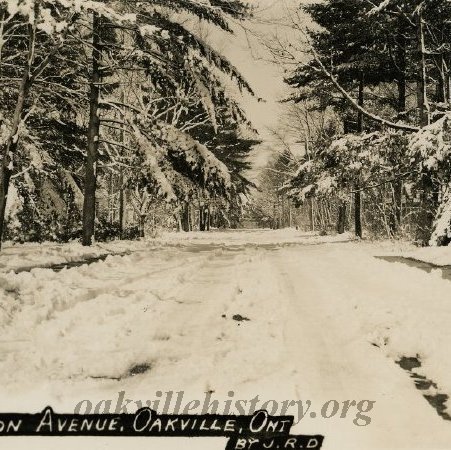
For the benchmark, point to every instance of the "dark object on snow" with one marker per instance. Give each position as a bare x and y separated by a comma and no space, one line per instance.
139,369
240,318
409,363
431,391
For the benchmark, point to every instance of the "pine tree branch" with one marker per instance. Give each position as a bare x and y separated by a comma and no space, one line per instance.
373,186
353,102
116,144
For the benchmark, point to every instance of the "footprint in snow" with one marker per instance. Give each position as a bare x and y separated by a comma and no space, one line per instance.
240,318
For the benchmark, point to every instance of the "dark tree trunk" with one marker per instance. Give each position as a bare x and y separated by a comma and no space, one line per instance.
121,205
89,204
396,221
5,176
422,99
201,219
9,149
440,93
401,66
142,224
311,214
213,222
207,221
396,214
427,195
357,194
402,95
442,83
341,223
448,88
121,182
358,212
185,219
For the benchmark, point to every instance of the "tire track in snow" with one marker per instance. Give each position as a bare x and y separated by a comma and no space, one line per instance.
338,362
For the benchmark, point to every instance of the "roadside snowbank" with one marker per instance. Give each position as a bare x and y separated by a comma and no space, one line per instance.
438,256
252,237
22,257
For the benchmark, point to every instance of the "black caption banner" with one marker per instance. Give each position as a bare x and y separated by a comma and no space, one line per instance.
257,431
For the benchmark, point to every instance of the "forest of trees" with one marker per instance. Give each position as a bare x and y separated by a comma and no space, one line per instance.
373,99
117,118
115,115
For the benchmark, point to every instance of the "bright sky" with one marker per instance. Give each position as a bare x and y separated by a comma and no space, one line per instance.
248,53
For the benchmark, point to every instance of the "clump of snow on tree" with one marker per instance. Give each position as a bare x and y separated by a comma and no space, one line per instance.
430,148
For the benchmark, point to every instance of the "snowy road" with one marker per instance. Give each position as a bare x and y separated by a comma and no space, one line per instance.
284,322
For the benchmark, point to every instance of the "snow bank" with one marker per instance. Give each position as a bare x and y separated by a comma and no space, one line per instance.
438,256
19,257
252,237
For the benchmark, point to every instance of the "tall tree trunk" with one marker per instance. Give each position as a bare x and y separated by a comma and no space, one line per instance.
111,202
142,225
422,98
427,207
358,212
448,86
89,204
282,214
121,204
401,66
207,221
440,88
185,217
121,176
357,194
402,95
396,213
442,82
10,147
311,215
201,218
5,176
397,207
341,223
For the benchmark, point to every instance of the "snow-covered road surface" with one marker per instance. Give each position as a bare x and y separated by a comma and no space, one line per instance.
326,322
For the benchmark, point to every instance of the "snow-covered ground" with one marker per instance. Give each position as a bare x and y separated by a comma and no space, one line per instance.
242,312
19,257
439,256
260,237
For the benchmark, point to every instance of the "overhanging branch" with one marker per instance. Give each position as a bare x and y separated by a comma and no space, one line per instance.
355,105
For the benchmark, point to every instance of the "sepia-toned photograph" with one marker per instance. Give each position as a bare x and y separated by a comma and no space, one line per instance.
225,224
